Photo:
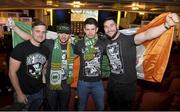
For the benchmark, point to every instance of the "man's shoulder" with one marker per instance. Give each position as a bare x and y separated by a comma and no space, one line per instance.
48,43
22,44
80,41
125,36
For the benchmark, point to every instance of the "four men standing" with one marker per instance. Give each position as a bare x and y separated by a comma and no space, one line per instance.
121,51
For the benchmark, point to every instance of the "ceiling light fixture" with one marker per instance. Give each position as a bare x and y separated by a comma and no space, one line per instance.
135,6
76,4
49,2
141,13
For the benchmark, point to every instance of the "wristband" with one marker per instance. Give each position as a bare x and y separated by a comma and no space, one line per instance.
166,26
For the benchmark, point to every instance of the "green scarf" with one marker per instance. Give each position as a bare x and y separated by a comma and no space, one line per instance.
56,64
90,49
105,67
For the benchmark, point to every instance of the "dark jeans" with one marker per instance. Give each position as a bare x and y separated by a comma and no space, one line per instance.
95,89
120,96
59,100
34,101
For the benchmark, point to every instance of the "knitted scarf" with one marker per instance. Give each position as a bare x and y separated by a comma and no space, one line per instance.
56,64
90,50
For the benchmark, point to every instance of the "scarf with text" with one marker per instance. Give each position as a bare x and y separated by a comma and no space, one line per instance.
56,65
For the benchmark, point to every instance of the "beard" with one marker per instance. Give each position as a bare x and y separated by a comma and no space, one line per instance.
112,37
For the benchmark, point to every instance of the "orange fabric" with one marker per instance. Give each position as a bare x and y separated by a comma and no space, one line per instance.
76,67
157,51
156,55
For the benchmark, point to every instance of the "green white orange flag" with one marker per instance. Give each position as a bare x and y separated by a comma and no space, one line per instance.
152,56
27,28
15,37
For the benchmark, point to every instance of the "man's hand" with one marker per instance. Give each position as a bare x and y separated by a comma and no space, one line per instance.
21,98
10,23
171,20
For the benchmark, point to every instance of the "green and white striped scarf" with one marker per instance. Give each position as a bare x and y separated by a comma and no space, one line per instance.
56,64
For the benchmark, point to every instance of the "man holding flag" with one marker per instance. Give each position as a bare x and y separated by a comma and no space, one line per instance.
60,66
27,66
121,51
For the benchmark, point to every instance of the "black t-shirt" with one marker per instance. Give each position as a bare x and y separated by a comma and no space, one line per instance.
32,60
90,71
122,56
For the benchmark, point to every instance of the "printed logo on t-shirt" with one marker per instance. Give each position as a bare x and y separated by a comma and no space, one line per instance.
92,67
64,65
113,52
35,64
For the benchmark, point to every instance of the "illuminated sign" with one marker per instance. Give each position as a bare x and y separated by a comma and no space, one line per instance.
83,14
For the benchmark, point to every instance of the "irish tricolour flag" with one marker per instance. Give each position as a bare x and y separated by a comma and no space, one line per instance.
152,56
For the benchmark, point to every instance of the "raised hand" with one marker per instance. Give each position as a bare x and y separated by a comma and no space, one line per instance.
10,23
171,19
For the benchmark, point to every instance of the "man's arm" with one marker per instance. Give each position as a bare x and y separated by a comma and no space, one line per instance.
171,20
20,32
26,36
44,72
13,68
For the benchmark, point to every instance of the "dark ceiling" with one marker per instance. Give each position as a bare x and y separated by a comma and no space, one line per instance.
125,5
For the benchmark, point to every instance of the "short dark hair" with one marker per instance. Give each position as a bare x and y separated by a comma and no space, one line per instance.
109,18
37,22
91,21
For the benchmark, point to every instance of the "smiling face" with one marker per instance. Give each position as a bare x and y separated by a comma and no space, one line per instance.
110,27
38,34
90,30
63,37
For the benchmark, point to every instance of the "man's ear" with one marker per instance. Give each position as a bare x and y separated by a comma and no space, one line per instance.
97,29
117,26
31,32
84,29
